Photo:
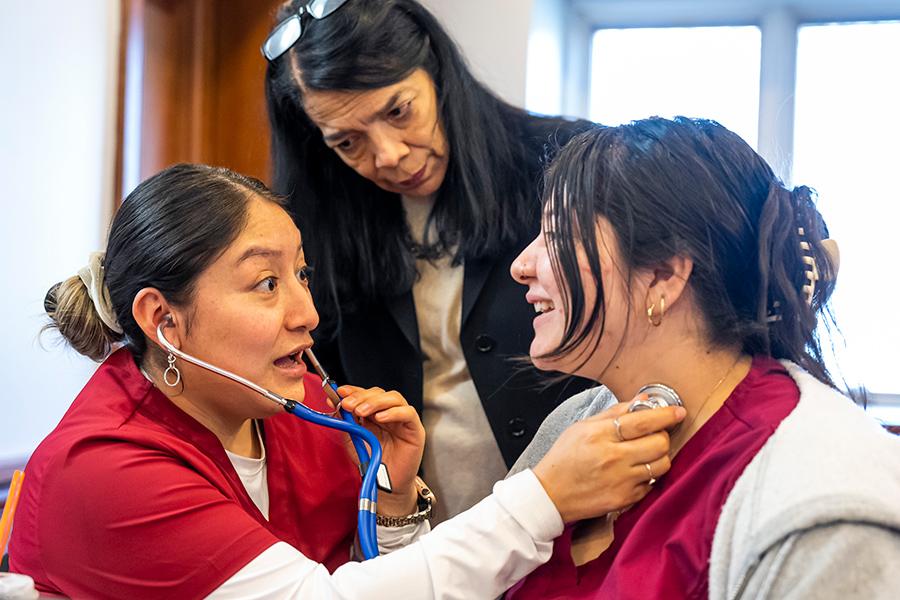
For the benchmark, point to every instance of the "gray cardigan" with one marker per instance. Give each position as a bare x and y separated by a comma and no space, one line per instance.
816,513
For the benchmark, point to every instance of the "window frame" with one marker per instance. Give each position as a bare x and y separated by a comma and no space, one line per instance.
778,21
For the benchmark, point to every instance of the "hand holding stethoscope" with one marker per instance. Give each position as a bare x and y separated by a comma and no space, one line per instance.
606,462
402,437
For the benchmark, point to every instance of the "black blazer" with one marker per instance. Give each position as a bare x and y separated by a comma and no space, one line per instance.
379,345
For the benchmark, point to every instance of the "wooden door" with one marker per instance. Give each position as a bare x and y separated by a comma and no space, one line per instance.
191,86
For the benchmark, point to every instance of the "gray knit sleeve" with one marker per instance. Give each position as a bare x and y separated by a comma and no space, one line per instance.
578,407
830,562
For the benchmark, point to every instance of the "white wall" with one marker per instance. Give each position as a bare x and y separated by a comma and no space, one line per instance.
57,110
493,35
546,57
523,49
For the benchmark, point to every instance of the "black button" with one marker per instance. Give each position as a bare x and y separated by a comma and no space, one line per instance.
484,343
516,427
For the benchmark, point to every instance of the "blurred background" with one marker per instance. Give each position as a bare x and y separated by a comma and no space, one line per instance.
96,95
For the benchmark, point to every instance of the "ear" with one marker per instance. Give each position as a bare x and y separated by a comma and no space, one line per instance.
150,308
669,280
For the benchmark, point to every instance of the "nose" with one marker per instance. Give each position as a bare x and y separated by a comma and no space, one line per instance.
300,312
522,268
389,148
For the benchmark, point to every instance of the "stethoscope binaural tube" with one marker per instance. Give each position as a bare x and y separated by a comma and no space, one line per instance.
382,479
368,494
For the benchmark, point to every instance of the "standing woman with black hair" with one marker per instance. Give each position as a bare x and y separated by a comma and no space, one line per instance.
420,186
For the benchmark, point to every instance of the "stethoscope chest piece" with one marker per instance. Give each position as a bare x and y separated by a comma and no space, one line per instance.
658,396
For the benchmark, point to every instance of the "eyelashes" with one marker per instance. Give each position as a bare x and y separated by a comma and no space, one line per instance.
270,283
305,273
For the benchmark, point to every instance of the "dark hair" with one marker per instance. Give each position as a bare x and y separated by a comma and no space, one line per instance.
357,236
166,233
692,187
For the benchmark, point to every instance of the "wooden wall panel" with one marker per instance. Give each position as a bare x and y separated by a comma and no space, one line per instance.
200,96
240,97
166,90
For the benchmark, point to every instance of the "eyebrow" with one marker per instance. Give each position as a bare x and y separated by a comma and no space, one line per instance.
254,251
332,137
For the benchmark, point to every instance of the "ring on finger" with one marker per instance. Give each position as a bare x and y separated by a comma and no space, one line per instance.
652,479
618,429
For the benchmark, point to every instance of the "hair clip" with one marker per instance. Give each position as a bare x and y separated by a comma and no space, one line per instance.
811,269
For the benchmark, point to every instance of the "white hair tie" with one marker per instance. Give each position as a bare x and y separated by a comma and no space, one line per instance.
92,277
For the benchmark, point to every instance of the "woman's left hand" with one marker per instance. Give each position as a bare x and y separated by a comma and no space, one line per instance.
397,426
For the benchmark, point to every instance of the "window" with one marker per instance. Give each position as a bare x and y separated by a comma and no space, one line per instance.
710,72
846,134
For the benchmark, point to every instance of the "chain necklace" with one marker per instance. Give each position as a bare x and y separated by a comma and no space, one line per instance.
687,427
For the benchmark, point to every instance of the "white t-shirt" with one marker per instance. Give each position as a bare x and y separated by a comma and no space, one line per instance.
252,472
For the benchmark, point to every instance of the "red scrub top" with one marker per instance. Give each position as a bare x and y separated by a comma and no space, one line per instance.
661,546
129,497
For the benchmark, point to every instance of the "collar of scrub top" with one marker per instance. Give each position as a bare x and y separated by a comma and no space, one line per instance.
372,477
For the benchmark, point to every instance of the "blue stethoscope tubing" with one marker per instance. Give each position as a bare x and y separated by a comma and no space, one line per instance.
368,493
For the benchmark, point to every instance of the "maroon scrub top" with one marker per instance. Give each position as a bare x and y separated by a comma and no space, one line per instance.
662,545
130,497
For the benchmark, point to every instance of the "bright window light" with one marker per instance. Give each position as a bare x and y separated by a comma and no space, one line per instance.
846,135
709,72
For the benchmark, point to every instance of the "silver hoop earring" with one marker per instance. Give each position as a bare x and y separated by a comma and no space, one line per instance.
171,369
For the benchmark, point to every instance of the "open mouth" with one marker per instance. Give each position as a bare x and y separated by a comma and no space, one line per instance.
543,306
291,360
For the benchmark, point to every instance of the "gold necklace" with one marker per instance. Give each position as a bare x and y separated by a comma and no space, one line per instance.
688,426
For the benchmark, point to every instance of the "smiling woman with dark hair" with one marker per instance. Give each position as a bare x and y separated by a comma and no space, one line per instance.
671,254
421,186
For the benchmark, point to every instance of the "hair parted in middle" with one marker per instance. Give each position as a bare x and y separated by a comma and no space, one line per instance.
356,233
691,187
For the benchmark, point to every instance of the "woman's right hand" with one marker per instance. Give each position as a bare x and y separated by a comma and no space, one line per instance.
589,471
398,427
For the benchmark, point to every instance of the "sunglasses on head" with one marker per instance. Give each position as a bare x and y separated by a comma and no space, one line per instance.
289,31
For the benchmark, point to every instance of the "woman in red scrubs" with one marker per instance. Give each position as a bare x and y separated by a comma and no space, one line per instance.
670,253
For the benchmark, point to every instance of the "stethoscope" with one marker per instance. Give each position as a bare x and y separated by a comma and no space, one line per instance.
658,396
374,473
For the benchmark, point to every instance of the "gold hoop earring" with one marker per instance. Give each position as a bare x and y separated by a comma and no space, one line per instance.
656,322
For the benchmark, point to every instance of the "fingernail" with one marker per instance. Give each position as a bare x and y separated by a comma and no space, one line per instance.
680,412
363,408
